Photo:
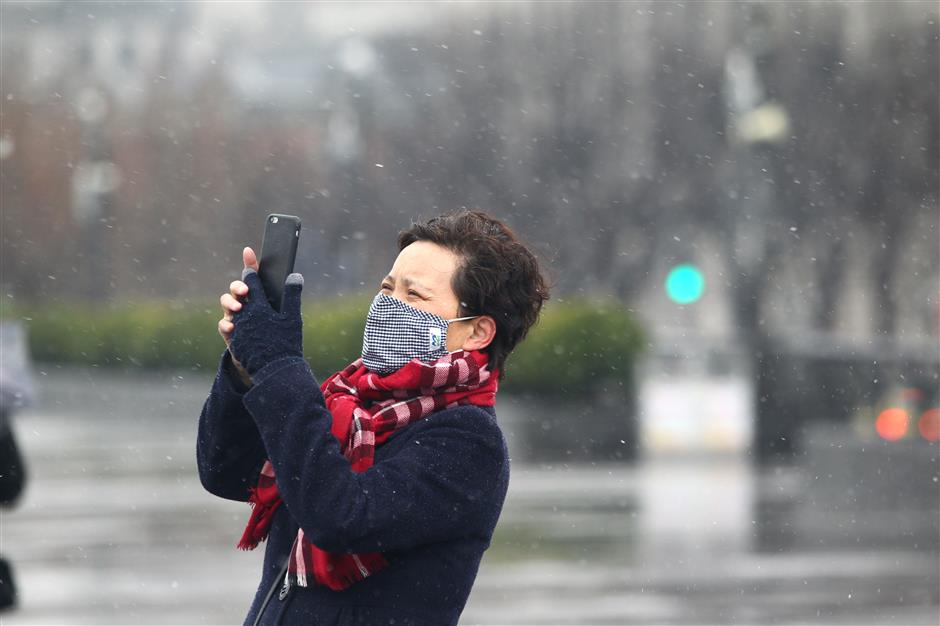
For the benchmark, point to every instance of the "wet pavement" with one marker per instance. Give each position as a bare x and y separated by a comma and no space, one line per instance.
114,528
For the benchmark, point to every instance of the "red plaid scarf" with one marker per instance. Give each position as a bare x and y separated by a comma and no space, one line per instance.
367,409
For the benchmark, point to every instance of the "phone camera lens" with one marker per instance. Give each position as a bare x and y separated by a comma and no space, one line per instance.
274,220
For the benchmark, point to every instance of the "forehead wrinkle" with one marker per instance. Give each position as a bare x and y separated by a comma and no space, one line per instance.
409,282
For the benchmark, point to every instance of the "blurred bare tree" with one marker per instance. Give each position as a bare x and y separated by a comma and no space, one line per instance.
602,131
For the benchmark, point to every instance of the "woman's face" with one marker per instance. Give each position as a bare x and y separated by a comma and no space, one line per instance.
421,277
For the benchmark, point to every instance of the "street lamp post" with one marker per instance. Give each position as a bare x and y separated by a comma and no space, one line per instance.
755,124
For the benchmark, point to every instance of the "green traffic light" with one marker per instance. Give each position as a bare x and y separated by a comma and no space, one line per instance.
685,284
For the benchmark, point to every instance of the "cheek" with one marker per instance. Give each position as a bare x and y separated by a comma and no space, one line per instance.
455,339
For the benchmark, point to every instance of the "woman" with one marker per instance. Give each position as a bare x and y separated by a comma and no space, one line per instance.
377,491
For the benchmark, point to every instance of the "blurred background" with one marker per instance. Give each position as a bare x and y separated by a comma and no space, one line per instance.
729,412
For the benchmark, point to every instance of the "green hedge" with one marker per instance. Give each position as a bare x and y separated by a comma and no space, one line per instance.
574,346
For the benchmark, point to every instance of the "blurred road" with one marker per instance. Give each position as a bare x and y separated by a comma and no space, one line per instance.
114,528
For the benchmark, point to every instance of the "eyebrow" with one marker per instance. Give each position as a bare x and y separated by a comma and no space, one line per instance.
409,282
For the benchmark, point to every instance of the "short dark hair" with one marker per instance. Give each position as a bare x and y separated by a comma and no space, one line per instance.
498,274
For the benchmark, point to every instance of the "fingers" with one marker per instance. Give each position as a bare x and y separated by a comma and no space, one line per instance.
293,287
229,305
249,258
238,289
226,328
231,301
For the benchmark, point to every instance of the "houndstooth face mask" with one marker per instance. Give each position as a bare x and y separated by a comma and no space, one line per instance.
397,332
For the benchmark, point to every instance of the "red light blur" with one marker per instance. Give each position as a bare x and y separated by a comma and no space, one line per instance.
929,424
892,423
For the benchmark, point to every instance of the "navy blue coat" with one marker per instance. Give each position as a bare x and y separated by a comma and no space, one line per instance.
429,503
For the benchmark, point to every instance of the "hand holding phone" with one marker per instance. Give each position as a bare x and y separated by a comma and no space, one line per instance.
279,250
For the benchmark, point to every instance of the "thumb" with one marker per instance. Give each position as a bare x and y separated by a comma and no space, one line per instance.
255,288
293,287
249,258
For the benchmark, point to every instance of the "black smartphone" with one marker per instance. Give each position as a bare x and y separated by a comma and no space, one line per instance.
278,251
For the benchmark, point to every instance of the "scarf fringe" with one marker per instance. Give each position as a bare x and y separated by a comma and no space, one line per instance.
262,514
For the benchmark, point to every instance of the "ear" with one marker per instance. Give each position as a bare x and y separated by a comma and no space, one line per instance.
482,333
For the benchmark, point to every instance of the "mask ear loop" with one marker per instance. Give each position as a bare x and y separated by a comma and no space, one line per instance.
460,319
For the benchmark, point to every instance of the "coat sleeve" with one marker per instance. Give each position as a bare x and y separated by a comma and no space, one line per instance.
437,487
229,450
